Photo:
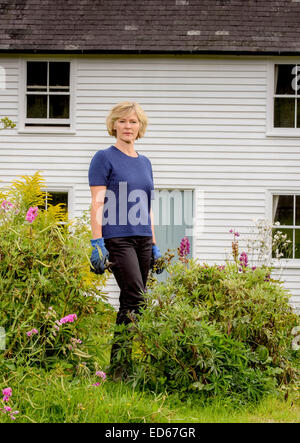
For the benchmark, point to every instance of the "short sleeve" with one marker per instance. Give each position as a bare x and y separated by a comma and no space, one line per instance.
99,170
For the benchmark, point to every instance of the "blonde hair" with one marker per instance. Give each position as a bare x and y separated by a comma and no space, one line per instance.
121,110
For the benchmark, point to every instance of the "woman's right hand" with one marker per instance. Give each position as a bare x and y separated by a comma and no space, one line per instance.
99,257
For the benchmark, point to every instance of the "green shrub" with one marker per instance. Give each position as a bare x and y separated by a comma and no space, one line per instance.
219,330
44,277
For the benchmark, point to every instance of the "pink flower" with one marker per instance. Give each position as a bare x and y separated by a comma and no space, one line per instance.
7,408
6,205
68,319
33,331
32,214
7,392
101,375
96,384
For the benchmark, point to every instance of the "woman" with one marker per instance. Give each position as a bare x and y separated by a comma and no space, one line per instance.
121,184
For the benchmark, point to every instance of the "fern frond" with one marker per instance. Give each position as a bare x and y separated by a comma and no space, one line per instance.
3,195
57,212
29,190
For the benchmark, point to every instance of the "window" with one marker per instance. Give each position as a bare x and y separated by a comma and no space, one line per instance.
286,100
286,212
47,94
173,219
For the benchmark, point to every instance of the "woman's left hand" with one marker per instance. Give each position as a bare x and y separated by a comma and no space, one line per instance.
156,254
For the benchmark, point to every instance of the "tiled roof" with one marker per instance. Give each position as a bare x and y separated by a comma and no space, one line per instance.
150,26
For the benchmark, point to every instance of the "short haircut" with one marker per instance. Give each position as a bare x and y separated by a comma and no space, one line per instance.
121,110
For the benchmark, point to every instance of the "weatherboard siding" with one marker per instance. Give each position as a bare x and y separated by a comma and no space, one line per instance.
207,132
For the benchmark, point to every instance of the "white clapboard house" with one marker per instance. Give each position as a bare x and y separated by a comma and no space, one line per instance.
218,80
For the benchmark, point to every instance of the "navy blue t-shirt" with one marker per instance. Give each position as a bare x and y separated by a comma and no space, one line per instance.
129,183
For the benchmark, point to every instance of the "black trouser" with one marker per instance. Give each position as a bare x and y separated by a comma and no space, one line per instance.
131,258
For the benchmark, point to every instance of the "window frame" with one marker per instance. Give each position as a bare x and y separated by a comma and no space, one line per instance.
22,128
271,131
69,191
291,262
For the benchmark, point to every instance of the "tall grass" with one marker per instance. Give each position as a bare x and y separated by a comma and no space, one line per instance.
55,397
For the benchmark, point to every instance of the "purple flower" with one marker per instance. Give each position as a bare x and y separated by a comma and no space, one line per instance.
184,248
244,259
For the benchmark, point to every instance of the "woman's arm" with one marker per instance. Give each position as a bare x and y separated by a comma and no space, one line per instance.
152,226
98,196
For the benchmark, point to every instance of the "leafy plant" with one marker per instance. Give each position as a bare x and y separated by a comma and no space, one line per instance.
217,330
44,277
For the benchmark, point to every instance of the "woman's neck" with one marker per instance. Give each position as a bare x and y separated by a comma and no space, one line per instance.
127,148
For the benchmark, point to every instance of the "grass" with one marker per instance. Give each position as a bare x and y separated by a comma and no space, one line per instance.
54,397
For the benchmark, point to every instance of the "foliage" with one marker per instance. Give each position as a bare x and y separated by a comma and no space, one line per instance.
217,330
44,277
6,123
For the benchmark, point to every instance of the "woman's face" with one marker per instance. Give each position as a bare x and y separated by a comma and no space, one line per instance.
127,127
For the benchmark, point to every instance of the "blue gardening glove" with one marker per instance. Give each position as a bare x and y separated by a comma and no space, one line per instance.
99,257
156,254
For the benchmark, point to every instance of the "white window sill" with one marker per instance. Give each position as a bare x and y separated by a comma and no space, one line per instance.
45,130
285,133
293,264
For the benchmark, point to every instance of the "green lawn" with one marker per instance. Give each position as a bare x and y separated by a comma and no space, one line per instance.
54,397
57,397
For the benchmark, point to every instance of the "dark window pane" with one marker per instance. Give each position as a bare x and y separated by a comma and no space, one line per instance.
297,243
281,245
37,76
59,76
284,113
298,112
285,79
59,106
298,210
55,125
283,209
36,106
